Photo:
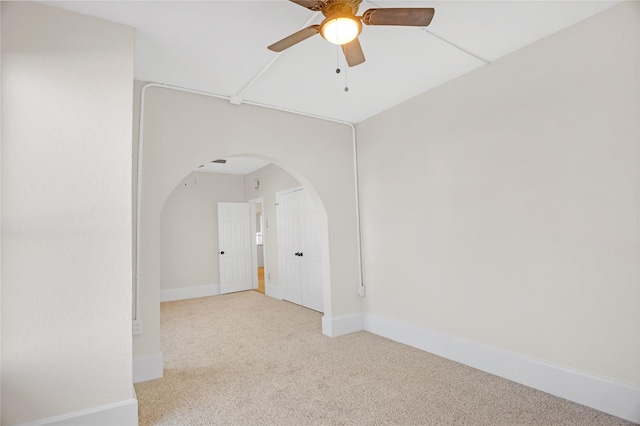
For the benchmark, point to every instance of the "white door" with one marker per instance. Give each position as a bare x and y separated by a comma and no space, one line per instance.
299,249
287,209
234,247
310,254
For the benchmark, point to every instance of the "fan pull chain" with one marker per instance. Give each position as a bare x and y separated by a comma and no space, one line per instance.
346,82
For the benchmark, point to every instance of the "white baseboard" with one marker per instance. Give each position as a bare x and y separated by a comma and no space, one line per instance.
147,368
613,397
122,413
334,327
272,290
182,293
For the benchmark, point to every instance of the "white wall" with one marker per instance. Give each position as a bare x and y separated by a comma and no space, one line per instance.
0,227
189,229
137,86
66,214
272,179
503,207
180,129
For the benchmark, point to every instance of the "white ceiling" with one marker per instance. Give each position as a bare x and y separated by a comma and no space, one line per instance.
234,166
221,47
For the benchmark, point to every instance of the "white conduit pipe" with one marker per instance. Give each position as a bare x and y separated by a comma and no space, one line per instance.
136,292
237,99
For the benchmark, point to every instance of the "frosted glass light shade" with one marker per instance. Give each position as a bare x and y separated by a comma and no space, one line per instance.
340,30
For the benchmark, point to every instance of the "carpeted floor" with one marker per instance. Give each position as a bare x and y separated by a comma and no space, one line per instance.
248,359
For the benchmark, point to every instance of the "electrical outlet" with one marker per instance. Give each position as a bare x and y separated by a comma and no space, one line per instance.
361,290
137,327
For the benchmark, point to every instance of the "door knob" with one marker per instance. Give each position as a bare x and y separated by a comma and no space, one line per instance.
221,252
296,254
301,254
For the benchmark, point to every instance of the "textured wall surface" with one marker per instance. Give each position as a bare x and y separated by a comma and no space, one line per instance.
503,207
66,212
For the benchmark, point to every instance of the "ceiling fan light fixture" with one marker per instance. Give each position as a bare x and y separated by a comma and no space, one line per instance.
340,29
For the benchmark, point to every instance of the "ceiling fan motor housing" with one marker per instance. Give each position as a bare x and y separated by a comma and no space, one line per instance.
335,8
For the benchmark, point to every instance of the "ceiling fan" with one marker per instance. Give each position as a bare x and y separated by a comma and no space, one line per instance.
342,26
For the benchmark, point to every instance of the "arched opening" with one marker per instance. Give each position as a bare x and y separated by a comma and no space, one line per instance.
179,131
193,261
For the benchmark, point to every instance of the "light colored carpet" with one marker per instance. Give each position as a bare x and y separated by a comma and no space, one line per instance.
248,359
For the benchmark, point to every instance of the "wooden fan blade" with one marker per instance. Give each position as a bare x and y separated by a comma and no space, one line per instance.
295,38
419,17
309,4
353,52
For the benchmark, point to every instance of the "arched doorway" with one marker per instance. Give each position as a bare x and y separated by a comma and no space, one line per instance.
192,263
179,130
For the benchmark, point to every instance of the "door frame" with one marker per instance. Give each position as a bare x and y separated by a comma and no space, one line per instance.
254,245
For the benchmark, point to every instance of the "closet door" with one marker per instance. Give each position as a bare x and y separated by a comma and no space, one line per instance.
288,230
299,249
310,258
